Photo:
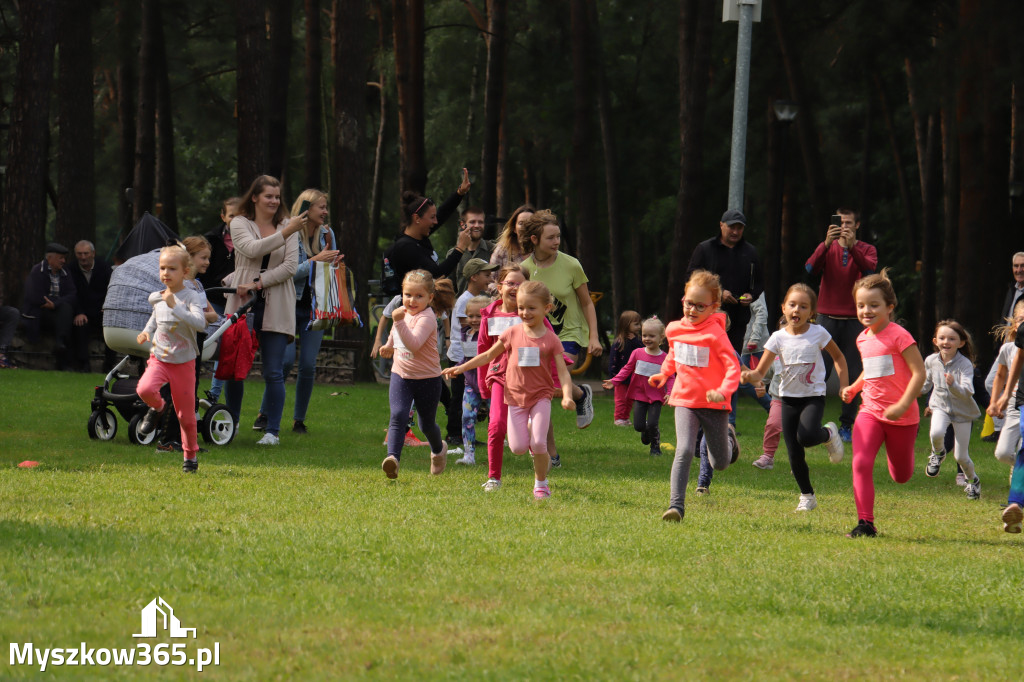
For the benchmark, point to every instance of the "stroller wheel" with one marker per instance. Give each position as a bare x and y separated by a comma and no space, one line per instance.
102,425
218,426
136,436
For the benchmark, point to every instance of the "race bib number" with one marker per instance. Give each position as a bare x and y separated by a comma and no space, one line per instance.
529,356
691,356
878,367
647,369
496,325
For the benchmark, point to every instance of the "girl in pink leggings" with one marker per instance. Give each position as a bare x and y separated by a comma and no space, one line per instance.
891,381
531,347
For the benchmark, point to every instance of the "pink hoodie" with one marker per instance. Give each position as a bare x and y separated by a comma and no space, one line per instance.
702,359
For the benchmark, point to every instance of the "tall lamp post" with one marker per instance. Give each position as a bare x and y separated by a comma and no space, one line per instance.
745,12
784,112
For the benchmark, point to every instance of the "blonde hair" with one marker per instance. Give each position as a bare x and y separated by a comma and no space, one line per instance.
181,252
655,322
195,244
535,288
706,280
1008,330
880,281
509,239
311,243
421,277
509,269
480,301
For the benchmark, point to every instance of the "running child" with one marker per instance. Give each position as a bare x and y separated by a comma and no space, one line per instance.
416,372
801,372
949,375
634,377
463,346
1013,514
1009,436
891,381
708,374
177,318
627,340
531,348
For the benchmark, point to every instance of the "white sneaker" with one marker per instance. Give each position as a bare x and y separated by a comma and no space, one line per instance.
491,485
269,439
469,460
973,489
834,444
455,451
622,422
807,503
585,407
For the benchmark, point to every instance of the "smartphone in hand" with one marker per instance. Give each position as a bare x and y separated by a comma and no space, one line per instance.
836,220
304,206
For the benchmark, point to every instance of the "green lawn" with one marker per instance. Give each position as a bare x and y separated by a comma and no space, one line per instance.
304,562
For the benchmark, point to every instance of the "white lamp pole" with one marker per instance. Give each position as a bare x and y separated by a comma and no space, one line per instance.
743,11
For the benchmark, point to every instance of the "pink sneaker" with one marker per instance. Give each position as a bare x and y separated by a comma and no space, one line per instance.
764,462
541,492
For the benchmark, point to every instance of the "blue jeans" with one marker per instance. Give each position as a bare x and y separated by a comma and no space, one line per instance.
309,342
272,348
216,385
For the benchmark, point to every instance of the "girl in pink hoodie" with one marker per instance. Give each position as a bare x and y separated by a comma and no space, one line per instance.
708,373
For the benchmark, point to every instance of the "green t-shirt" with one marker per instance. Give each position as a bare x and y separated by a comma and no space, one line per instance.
563,277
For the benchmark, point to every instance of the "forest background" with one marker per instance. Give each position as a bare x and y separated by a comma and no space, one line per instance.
616,114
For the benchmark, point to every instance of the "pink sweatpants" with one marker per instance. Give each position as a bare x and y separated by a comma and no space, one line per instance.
623,405
528,428
773,428
868,436
497,426
182,379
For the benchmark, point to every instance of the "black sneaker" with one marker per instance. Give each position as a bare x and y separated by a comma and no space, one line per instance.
934,462
149,422
189,466
261,422
645,437
655,449
170,446
991,438
454,441
863,529
556,462
299,427
734,442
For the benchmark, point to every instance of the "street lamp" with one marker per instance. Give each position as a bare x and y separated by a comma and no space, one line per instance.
785,110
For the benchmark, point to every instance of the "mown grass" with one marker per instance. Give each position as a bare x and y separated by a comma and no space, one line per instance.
304,562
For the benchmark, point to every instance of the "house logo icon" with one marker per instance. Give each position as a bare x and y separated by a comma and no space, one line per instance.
156,611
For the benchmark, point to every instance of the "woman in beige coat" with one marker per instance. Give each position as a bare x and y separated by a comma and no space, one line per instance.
262,230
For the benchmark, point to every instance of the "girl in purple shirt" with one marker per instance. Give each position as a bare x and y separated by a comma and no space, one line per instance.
644,362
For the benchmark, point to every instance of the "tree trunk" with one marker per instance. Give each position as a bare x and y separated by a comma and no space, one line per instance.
280,25
583,182
166,180
864,195
910,229
348,168
382,129
313,119
494,96
407,22
984,159
127,80
251,51
950,198
814,167
927,311
24,206
76,177
144,179
616,245
695,31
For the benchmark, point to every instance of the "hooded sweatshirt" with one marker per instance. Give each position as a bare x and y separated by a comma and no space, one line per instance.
702,359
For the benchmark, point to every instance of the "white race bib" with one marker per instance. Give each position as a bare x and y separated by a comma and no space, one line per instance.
802,355
529,356
401,350
469,349
647,369
691,356
878,367
496,325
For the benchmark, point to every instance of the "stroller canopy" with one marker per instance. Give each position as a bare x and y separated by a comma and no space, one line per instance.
148,234
127,303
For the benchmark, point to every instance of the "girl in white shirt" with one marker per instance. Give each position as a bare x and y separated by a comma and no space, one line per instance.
801,371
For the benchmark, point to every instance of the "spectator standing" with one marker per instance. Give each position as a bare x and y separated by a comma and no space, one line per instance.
1016,290
841,260
473,223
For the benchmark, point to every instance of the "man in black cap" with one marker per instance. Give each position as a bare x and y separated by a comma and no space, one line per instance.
737,265
51,302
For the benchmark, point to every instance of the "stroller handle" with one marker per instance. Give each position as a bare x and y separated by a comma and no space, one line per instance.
231,319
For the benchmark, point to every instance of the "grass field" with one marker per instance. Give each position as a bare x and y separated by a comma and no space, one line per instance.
304,562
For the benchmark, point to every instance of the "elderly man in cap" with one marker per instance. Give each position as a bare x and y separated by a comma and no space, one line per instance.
51,302
479,274
737,265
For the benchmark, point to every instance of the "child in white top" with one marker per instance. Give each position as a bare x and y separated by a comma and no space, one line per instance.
1009,435
643,363
949,375
177,318
801,372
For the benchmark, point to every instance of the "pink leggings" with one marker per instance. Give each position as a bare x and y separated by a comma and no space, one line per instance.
772,428
497,429
868,436
623,405
528,427
182,378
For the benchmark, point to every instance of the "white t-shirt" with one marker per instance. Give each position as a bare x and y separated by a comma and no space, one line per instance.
801,366
1006,354
459,311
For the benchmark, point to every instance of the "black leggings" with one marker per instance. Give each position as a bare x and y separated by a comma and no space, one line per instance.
801,427
645,419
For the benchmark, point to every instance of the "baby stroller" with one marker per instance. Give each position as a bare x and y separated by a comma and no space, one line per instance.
215,423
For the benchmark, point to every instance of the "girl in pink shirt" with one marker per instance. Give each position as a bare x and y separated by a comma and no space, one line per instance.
415,372
890,383
531,347
700,353
633,380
